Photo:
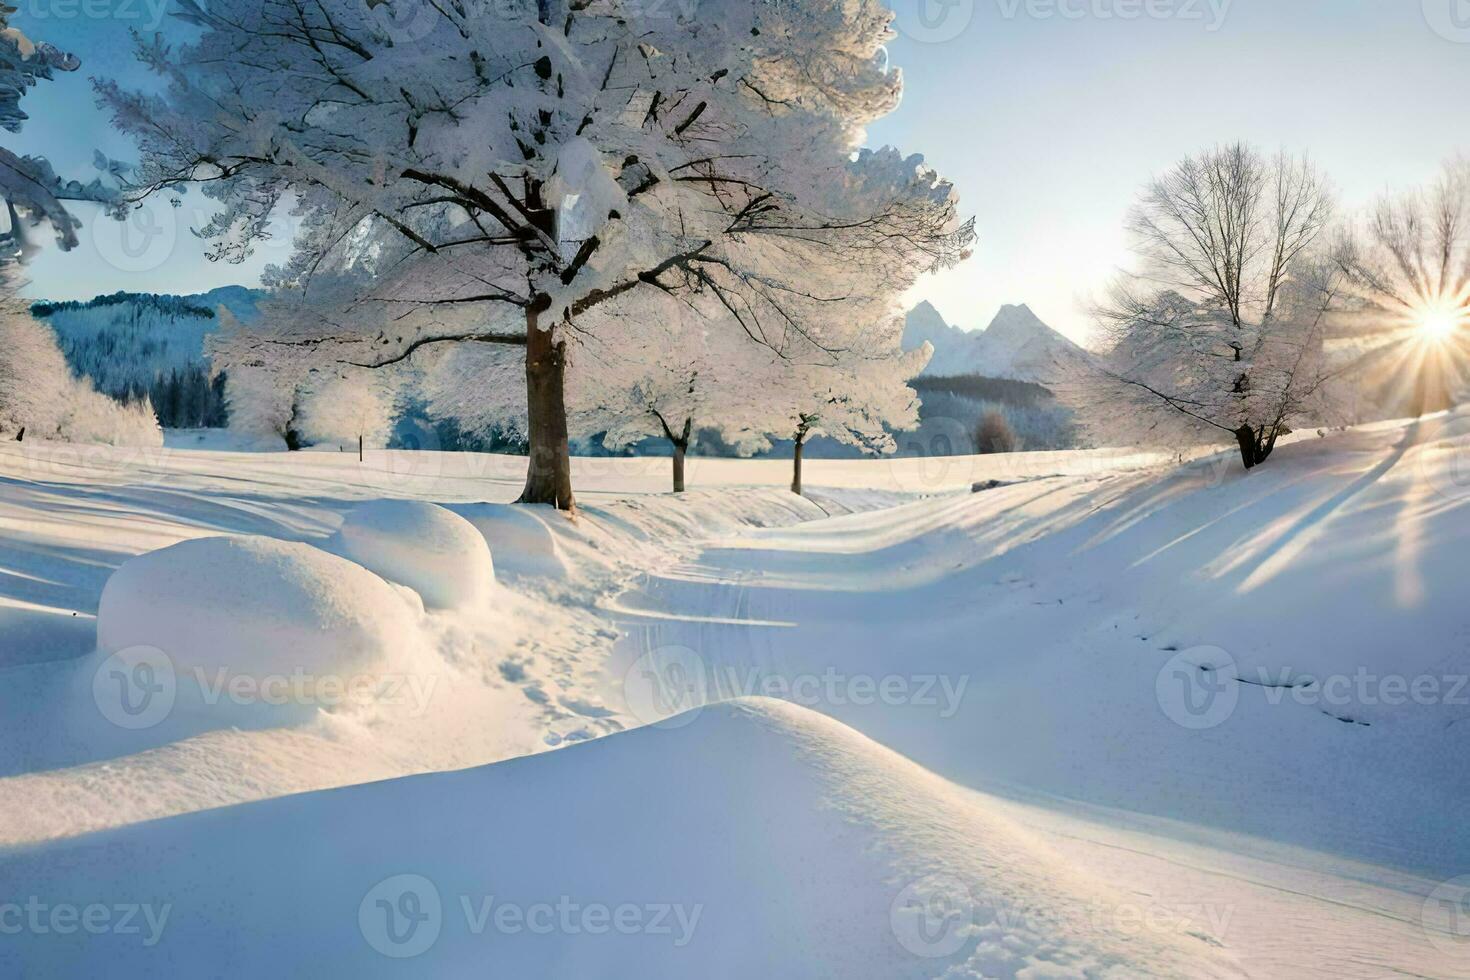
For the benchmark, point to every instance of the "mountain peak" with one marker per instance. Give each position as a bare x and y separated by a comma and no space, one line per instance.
1017,318
1016,345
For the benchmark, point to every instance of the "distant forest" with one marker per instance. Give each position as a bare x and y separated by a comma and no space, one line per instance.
140,344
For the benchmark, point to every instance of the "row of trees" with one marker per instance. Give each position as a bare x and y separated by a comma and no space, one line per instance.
1245,274
38,394
662,210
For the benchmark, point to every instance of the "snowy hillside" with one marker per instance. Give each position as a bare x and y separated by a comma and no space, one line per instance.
137,343
1016,345
1108,717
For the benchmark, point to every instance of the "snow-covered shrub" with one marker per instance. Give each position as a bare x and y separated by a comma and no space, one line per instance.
433,551
994,434
94,417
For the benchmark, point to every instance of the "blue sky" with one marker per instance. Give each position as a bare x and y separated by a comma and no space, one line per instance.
1047,114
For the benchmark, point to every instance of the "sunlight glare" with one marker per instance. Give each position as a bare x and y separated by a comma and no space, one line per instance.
1438,324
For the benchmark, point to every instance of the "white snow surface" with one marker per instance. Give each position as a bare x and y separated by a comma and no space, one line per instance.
252,603
995,754
433,551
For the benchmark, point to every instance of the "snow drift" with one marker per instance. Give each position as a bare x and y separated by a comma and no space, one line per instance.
761,839
433,551
254,606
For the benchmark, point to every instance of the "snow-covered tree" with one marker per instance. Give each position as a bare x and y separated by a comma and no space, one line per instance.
858,399
30,191
1219,333
1407,268
348,410
35,384
262,389
38,394
533,160
671,374
39,397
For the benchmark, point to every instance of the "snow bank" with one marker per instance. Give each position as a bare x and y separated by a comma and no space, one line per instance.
759,840
521,536
254,606
431,550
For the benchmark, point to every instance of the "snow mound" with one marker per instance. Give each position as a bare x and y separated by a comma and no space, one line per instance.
521,537
433,551
757,839
253,606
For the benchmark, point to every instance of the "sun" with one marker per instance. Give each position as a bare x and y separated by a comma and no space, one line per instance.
1438,324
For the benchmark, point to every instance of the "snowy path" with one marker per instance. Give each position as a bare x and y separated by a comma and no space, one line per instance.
1023,641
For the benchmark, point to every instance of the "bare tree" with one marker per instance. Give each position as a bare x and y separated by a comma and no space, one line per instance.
1218,334
1407,272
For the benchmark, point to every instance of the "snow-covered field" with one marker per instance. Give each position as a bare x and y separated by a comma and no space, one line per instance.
1112,716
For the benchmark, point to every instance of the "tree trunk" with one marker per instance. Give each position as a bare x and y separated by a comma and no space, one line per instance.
681,446
549,467
796,462
679,450
1255,447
